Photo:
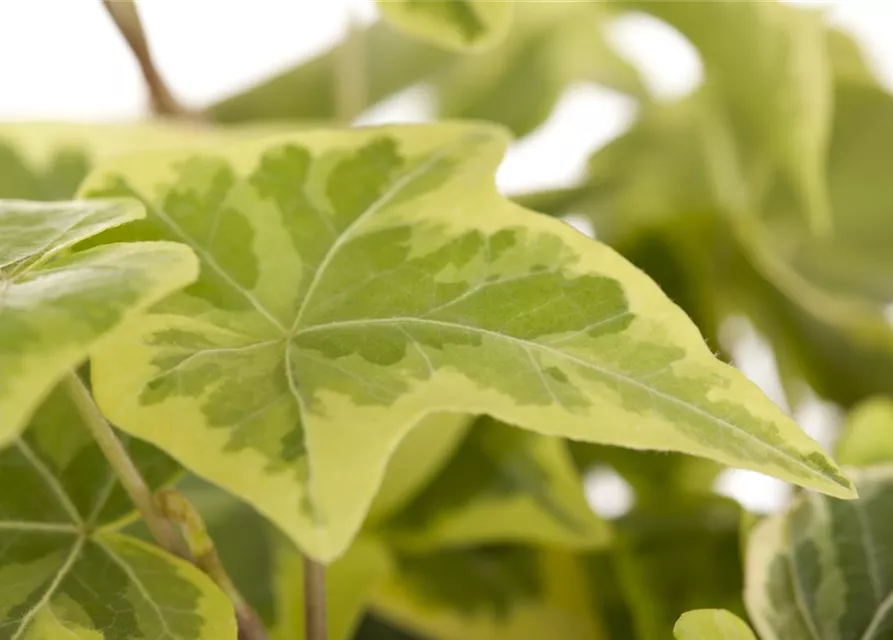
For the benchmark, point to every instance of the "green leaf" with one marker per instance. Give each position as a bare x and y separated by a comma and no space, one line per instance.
490,593
421,455
462,25
351,582
767,66
550,46
65,570
867,436
823,569
345,294
681,555
712,624
503,485
55,308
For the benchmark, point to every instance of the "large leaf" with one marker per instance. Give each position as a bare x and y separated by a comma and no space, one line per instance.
503,485
354,281
455,24
351,583
766,64
65,570
712,624
54,308
824,569
490,593
550,46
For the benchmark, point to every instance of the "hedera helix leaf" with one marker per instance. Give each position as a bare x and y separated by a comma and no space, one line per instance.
503,485
490,593
712,624
455,24
355,281
54,308
823,570
66,571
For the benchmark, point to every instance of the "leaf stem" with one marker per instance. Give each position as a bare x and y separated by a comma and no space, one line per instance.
177,508
123,466
314,600
350,79
126,17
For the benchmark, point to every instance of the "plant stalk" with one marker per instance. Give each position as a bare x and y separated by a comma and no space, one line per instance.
126,17
314,600
350,79
123,466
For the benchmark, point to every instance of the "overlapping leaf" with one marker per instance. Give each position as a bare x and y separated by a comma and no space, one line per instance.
503,485
490,593
55,308
455,24
353,282
712,624
823,571
64,569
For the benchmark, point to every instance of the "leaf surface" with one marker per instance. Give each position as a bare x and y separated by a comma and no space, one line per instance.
490,593
65,570
866,438
353,282
503,485
464,25
823,570
54,308
712,624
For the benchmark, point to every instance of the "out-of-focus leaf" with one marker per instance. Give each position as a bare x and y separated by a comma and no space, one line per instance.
867,435
824,570
343,297
66,571
608,602
491,593
503,485
550,46
847,58
392,62
55,306
680,556
463,25
766,66
712,624
351,582
420,456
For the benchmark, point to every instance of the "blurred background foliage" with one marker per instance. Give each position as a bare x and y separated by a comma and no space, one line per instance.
763,194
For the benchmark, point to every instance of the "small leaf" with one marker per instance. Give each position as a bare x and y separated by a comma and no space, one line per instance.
354,281
822,571
503,485
54,308
490,593
65,570
455,24
867,436
712,624
351,582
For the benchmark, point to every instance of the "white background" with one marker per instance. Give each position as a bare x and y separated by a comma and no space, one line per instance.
63,60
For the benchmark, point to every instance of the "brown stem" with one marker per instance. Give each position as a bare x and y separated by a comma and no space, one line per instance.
177,508
126,17
314,600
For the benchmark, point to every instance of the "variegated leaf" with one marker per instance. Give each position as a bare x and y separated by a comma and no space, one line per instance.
824,571
65,570
355,281
54,308
712,624
503,485
455,24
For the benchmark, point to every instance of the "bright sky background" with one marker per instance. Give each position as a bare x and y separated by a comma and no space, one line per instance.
63,60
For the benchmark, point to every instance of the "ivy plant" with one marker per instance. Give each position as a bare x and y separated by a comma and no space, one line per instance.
268,374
